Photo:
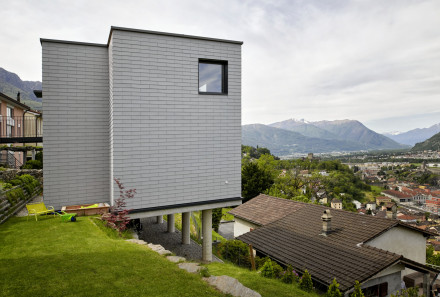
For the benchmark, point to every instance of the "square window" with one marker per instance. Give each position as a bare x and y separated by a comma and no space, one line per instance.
213,77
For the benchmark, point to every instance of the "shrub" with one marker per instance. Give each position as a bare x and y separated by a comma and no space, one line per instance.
410,292
333,290
289,276
33,164
235,251
118,218
15,195
15,182
39,156
204,272
7,186
267,270
305,283
357,292
277,269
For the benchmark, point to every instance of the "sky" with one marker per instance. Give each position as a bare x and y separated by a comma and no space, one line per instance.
374,61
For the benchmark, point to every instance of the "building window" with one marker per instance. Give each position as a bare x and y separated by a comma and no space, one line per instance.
213,77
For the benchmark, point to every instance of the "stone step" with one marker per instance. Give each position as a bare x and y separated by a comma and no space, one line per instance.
190,267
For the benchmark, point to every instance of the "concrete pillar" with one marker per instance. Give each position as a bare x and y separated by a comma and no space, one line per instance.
33,154
426,288
186,226
159,219
207,235
170,221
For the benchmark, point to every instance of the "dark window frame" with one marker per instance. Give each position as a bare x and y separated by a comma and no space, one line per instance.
224,65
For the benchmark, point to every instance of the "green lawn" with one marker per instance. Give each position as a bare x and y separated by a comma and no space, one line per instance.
226,216
253,280
54,258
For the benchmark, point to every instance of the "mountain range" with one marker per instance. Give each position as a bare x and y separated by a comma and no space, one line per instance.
299,136
11,84
414,136
432,144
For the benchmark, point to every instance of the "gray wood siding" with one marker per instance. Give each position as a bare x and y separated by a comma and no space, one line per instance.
170,143
76,141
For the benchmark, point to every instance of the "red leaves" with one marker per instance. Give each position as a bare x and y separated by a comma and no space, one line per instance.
118,217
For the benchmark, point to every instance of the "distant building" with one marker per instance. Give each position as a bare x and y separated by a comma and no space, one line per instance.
336,203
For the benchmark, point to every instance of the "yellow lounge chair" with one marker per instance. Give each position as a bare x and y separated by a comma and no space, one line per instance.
38,209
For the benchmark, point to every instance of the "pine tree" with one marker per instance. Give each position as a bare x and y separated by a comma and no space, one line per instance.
305,282
267,270
333,289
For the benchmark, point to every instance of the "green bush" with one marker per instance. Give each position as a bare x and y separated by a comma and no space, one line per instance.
204,272
289,276
267,269
235,251
7,186
15,195
333,290
33,164
39,156
305,283
15,182
357,292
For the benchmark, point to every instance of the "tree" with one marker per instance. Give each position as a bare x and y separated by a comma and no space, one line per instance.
333,289
216,218
254,180
357,292
305,283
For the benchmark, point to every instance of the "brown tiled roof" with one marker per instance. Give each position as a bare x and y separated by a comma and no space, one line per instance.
296,239
265,209
396,194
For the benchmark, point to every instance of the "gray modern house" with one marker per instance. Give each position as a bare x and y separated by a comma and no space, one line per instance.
159,111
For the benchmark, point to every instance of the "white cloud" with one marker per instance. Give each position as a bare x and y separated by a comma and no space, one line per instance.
365,60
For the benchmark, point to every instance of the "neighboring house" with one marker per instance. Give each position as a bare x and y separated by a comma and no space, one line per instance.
433,203
19,125
382,199
370,206
397,196
336,203
159,111
337,244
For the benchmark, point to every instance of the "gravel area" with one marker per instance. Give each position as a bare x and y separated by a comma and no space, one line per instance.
226,229
23,212
157,234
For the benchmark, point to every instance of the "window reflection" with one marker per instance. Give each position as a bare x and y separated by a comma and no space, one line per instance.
211,78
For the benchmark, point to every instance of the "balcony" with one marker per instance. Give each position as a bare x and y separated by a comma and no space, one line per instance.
15,129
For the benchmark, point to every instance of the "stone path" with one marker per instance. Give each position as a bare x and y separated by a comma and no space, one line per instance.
223,283
157,234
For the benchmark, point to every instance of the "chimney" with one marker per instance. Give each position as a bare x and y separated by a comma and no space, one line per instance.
326,222
18,96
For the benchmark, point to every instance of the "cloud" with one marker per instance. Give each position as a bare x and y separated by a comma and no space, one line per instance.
318,60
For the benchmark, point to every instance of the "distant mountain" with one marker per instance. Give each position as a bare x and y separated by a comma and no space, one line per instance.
351,130
432,144
414,136
283,142
11,84
305,128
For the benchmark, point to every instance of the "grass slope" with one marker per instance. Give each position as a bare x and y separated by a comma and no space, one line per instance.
54,258
253,280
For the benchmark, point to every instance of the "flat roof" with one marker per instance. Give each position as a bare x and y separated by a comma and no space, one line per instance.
113,28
